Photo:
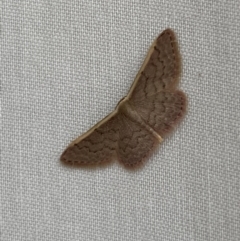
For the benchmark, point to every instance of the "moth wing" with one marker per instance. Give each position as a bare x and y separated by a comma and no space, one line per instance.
162,111
136,142
96,146
160,70
153,93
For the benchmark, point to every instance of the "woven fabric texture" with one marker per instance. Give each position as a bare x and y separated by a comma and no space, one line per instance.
65,65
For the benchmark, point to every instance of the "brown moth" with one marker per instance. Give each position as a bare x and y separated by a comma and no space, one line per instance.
151,109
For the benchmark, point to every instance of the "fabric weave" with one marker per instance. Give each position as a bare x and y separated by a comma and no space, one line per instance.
65,66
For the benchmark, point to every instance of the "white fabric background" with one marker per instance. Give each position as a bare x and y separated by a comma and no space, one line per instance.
65,65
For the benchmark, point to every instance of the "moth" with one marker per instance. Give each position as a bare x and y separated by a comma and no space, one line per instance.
140,120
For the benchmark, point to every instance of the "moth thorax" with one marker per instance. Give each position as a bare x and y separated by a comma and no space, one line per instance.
125,107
